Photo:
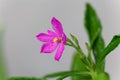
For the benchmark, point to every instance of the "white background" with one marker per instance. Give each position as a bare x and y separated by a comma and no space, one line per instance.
24,19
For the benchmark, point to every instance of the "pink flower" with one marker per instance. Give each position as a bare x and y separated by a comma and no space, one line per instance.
52,40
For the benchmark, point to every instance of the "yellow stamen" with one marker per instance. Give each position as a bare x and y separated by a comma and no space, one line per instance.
55,40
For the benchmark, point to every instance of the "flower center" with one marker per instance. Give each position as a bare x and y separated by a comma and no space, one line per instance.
57,39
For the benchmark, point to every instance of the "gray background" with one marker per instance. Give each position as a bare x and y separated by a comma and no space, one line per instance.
24,19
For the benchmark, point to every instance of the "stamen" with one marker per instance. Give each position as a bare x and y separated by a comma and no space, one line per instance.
55,39
59,39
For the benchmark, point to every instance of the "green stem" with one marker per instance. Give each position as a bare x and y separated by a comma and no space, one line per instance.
90,55
99,76
82,74
80,52
2,67
53,75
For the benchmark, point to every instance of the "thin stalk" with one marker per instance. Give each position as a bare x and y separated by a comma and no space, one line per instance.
80,52
2,67
82,74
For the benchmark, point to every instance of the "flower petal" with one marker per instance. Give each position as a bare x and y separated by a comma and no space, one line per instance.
59,52
48,47
44,37
64,38
57,26
52,33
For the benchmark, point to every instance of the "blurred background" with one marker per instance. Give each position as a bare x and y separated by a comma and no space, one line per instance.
24,19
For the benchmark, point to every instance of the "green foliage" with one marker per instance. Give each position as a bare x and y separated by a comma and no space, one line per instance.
75,40
83,75
56,74
103,76
110,47
64,74
75,44
94,30
78,65
23,78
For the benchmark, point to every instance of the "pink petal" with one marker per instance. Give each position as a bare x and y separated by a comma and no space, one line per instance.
52,33
59,52
48,47
44,37
57,26
64,38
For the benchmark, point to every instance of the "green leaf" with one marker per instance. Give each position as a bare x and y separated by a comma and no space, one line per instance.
56,74
82,75
110,47
63,74
78,65
92,23
103,76
2,65
24,78
94,30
